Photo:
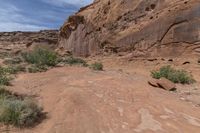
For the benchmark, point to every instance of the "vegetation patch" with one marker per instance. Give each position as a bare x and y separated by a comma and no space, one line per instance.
176,76
4,76
74,61
14,69
4,55
41,57
37,68
14,109
5,73
13,61
18,111
97,66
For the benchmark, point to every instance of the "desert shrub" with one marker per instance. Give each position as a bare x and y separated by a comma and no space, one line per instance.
5,73
18,111
12,61
37,68
176,76
74,61
15,69
5,80
41,56
4,93
97,66
4,55
4,76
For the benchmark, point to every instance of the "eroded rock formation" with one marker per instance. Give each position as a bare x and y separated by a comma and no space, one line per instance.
140,27
13,42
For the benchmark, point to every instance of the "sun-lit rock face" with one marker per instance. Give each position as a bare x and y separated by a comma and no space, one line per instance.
140,27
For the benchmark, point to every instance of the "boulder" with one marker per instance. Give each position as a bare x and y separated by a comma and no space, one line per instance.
166,84
163,83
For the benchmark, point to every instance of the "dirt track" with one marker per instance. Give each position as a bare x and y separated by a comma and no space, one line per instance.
79,100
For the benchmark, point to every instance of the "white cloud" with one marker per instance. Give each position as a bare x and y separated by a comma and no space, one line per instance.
9,16
8,13
14,17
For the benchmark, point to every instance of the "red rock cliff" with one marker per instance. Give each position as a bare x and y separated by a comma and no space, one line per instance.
140,27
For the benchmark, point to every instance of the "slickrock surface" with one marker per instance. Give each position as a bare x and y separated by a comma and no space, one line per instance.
141,27
13,42
79,100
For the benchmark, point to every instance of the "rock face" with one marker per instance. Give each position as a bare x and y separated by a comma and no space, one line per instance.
140,27
16,41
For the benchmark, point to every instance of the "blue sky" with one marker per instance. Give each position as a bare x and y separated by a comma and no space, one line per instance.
34,15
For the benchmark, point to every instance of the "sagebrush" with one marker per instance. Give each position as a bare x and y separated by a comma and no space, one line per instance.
97,66
176,76
18,111
74,61
41,56
4,76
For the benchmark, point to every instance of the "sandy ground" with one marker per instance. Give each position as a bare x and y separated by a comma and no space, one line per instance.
117,100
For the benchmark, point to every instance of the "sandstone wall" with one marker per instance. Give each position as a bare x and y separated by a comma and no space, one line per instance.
141,27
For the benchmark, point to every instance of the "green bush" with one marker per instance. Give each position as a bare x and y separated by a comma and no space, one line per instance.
6,71
14,60
41,56
14,69
37,68
5,80
176,76
4,55
4,76
17,111
4,93
97,66
75,61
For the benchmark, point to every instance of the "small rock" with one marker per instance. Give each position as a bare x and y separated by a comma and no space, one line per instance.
166,84
60,65
153,82
182,98
163,83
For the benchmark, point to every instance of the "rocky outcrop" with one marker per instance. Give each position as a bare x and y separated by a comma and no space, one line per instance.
13,42
140,27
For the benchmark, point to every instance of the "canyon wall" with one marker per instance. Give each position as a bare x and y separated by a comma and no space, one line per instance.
142,28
